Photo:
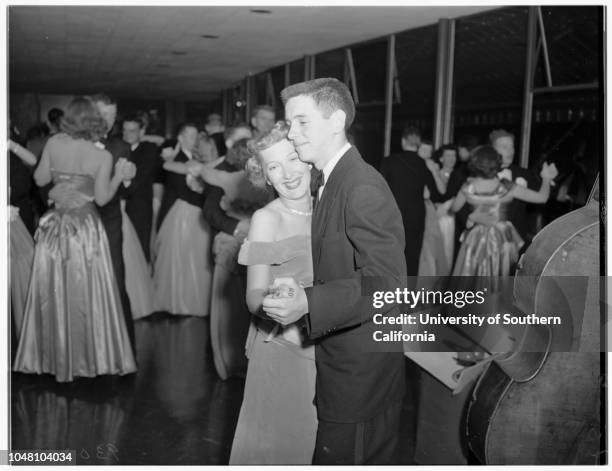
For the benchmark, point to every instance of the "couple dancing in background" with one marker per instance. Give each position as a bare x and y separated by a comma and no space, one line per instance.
74,322
313,394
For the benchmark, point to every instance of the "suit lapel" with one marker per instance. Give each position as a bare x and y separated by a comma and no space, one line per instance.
323,210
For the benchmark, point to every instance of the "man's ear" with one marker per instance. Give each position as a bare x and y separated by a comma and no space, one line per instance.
338,119
253,121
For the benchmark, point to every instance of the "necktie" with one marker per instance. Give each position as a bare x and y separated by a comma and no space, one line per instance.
317,181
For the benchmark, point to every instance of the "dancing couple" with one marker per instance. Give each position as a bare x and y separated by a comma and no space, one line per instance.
313,393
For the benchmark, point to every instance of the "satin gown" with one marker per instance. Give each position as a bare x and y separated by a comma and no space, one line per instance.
432,261
489,250
278,421
20,266
138,281
73,322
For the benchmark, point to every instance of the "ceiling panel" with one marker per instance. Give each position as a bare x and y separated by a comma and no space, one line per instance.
85,49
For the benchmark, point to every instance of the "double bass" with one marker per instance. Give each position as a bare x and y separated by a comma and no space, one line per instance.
546,409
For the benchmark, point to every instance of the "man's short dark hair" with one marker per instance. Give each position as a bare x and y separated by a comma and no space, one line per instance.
135,118
181,128
55,116
410,131
329,94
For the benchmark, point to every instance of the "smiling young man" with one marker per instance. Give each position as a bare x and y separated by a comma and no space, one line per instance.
357,235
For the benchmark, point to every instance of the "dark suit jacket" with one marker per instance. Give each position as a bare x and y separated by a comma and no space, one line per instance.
139,195
110,214
213,213
407,176
111,211
357,233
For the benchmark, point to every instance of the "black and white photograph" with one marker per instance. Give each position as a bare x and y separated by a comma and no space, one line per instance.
316,235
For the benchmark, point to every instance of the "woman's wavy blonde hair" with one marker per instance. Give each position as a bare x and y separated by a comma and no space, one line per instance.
253,165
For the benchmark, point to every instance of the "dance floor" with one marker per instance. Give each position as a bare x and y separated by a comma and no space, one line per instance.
173,411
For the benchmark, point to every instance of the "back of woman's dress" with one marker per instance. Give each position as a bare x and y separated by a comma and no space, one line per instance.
278,422
73,322
489,250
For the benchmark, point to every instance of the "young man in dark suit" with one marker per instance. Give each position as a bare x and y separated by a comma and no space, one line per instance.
110,213
503,142
408,176
357,236
139,195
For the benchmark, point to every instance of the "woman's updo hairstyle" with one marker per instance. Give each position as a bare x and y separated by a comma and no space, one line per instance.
82,120
484,162
253,166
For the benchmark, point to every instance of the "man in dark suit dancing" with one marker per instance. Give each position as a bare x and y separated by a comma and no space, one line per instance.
407,175
110,213
139,195
357,235
503,142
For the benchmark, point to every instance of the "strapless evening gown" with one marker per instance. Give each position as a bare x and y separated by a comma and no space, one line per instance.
489,250
73,321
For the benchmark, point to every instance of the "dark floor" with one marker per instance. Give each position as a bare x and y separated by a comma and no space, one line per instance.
173,411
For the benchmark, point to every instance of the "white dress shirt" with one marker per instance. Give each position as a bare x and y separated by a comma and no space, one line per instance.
329,166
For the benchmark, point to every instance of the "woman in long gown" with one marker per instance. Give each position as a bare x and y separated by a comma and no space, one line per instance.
432,261
20,266
73,322
21,251
492,250
446,158
277,423
183,268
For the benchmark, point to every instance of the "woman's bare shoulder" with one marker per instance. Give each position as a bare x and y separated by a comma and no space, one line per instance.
265,223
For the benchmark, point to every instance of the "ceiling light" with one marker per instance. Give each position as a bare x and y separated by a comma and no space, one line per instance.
209,36
260,11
